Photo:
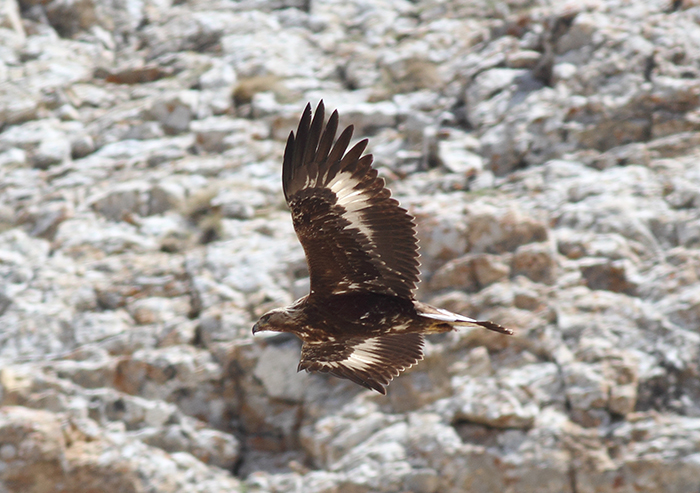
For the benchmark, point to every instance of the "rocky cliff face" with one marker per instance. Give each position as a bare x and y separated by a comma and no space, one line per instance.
549,153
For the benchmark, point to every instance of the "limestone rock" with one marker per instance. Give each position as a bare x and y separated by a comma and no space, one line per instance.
548,155
277,370
470,272
495,231
536,261
511,409
43,449
175,111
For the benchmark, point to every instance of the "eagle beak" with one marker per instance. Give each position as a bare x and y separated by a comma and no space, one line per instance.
256,328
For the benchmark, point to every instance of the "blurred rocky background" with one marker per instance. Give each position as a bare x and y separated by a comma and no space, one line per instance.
549,151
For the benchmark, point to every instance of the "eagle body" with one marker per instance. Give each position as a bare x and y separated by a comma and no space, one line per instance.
362,314
360,320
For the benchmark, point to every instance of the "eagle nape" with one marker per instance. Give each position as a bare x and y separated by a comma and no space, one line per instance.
360,320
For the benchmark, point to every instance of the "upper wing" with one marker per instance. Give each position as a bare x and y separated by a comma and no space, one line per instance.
355,236
372,362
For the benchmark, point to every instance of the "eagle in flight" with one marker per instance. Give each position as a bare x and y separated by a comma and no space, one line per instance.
360,320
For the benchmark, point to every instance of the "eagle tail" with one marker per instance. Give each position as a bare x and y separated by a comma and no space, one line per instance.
445,317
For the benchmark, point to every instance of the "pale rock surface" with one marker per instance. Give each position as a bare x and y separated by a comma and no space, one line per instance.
547,151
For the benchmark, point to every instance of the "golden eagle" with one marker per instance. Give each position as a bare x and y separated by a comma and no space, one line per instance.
360,321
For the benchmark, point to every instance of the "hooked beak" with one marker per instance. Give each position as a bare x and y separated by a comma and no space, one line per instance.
256,328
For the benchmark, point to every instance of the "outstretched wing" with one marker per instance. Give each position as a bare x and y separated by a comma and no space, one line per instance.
355,236
371,362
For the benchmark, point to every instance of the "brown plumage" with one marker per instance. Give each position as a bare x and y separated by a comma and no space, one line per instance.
360,320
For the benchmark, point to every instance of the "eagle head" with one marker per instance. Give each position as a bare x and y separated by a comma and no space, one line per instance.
277,320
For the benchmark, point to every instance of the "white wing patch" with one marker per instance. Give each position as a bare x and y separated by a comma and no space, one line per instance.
352,200
365,355
339,182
